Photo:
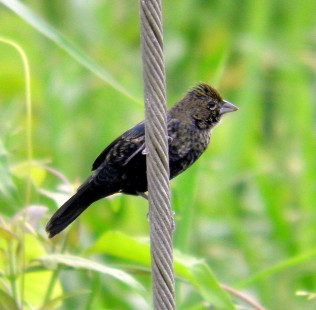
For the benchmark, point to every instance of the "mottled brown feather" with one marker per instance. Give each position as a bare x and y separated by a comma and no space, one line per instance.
203,89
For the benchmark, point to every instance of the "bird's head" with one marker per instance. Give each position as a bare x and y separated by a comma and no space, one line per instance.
202,106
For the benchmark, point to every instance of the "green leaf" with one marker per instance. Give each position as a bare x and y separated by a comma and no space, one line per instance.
34,248
120,245
35,283
200,275
7,234
51,33
6,184
309,295
206,284
82,263
293,261
195,271
54,303
23,170
7,302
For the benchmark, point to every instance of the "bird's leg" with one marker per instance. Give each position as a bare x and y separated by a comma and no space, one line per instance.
173,224
142,194
144,151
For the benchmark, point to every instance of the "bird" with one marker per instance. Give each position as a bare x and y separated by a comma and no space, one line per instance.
121,166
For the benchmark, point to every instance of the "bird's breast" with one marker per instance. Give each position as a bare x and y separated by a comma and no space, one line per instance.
186,145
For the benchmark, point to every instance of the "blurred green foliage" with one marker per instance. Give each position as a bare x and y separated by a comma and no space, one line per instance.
248,207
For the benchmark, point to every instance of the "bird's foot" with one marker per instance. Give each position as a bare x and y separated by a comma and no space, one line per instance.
145,151
141,194
173,223
170,139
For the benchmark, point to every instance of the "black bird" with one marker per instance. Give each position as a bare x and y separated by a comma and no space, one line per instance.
121,167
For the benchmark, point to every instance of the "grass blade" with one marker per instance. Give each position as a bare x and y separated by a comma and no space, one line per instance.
51,33
195,271
83,263
291,262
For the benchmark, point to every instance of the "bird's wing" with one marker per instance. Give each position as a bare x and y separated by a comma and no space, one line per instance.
124,148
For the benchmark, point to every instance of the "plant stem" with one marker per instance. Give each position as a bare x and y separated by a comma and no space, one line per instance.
12,273
95,286
55,275
51,285
243,297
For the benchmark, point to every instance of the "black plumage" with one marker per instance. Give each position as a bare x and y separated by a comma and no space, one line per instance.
121,167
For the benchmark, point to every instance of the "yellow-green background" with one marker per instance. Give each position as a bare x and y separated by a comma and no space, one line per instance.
247,207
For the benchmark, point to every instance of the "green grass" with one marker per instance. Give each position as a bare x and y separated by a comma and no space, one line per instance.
247,208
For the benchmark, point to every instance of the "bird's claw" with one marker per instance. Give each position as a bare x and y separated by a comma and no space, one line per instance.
141,194
145,151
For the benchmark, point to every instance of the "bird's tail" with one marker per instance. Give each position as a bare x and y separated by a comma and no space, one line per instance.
70,210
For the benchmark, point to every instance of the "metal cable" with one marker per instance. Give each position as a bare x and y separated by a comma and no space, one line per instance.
160,214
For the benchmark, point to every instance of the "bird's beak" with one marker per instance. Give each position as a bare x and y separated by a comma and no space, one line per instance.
227,107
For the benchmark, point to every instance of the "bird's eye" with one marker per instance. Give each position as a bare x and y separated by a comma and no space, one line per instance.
211,105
